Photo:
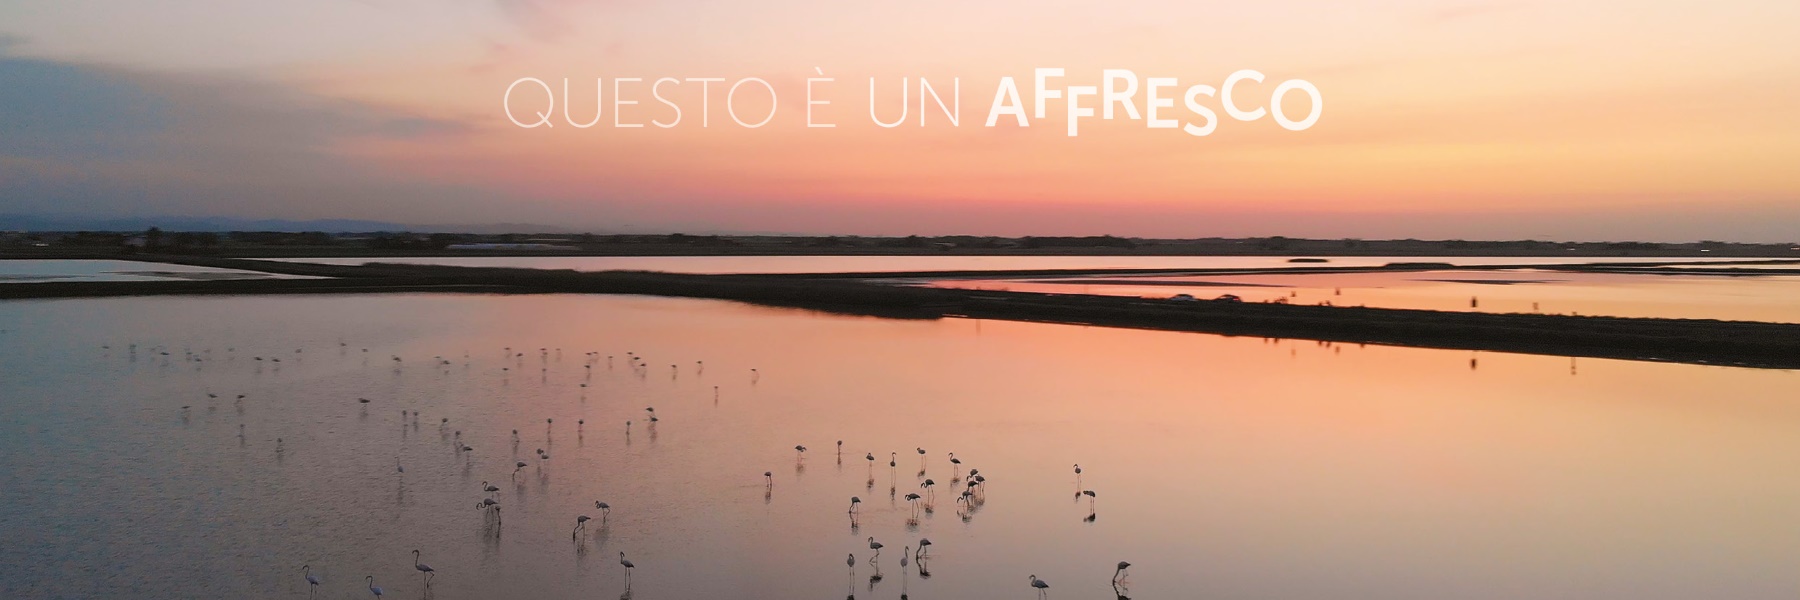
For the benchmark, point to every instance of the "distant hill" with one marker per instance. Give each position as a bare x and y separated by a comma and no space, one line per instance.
222,224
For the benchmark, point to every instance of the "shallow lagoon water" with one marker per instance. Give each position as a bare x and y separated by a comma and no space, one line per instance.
1224,467
1771,298
888,264
36,270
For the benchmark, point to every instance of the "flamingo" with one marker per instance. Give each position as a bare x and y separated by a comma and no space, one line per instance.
921,459
312,581
1042,587
913,499
955,467
903,564
489,488
605,509
425,570
518,466
1120,572
628,568
923,544
373,589
876,546
854,502
1090,495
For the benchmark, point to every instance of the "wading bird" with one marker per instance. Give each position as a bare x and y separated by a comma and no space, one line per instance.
628,568
1042,587
425,570
876,546
312,581
1120,572
903,559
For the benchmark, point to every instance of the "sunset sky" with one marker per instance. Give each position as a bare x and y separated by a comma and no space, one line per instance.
1503,119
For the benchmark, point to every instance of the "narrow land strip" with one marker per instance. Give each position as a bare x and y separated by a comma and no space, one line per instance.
1737,343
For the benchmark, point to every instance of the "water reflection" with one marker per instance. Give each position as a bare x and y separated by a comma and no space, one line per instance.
889,264
1299,470
1743,298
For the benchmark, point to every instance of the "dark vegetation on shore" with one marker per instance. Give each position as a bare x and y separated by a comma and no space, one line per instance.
1769,345
316,244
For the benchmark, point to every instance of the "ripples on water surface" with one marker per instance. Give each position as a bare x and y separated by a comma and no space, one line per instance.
1224,467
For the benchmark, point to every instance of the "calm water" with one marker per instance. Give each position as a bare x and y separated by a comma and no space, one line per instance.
1223,467
35,270
1774,298
878,264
